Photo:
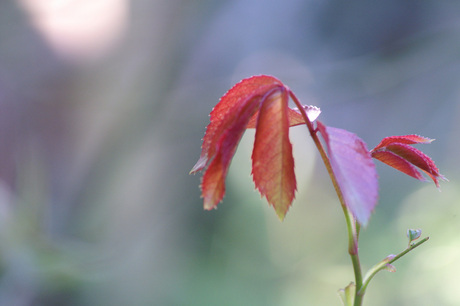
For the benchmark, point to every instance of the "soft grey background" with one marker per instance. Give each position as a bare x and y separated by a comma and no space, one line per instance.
103,104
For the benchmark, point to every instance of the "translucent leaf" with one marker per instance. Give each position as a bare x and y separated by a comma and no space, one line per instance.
232,105
354,169
229,120
260,102
272,160
213,182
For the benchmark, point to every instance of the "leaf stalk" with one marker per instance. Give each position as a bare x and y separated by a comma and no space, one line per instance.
353,226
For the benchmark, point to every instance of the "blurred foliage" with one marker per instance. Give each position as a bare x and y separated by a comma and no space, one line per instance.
100,127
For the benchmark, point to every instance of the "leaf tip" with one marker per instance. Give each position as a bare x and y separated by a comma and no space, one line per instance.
210,203
200,164
281,216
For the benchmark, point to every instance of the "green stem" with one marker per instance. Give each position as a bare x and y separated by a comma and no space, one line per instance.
352,226
381,265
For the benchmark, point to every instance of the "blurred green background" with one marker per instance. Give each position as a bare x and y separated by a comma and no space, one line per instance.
103,104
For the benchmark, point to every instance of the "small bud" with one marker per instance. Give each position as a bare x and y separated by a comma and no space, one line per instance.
390,268
347,295
389,258
413,234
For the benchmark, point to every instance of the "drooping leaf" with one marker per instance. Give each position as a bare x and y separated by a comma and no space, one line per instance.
272,160
228,109
396,152
260,102
213,182
354,170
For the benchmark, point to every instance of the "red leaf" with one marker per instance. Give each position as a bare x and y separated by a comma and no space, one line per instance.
397,162
272,160
354,170
265,99
259,102
414,156
213,183
228,109
406,139
399,146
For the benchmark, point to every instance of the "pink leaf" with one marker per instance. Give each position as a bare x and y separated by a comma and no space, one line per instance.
354,170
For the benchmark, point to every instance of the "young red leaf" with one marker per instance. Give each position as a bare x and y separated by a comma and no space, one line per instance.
414,156
228,109
213,182
396,152
397,162
260,102
272,160
406,139
354,170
